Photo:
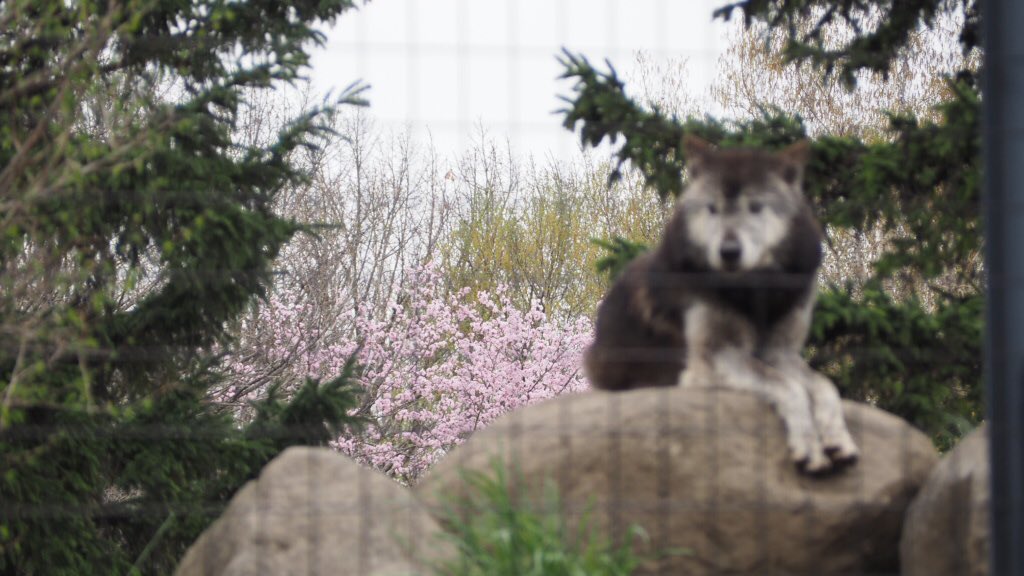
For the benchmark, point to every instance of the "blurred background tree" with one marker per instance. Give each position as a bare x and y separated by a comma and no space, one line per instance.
137,225
899,322
529,226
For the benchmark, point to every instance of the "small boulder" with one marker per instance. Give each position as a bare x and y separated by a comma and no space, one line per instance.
947,525
313,511
706,474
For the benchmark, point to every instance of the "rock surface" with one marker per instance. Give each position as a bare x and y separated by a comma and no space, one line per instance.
947,531
314,512
706,474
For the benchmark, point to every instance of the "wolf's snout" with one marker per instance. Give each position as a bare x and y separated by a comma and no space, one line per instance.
730,251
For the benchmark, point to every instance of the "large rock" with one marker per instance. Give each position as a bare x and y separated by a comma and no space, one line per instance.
706,473
315,512
947,530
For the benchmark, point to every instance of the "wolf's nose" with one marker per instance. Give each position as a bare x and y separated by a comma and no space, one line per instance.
730,251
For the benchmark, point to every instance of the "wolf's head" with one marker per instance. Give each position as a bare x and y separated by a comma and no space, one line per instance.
740,205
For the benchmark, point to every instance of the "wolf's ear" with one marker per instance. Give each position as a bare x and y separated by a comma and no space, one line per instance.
696,151
794,159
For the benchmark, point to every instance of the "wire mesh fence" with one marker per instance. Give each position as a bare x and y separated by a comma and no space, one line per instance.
577,292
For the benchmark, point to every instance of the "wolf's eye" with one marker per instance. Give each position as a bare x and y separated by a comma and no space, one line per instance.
712,208
755,207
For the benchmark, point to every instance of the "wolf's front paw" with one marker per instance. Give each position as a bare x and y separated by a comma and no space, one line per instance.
841,448
809,456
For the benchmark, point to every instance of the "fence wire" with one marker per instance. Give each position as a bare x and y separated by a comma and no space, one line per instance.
689,481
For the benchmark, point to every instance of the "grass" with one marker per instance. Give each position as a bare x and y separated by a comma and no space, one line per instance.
497,537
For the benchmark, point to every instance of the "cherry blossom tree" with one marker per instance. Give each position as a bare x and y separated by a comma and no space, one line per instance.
435,367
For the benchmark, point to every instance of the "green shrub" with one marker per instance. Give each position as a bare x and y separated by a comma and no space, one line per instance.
496,534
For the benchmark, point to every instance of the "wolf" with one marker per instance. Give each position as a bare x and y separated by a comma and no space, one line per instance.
725,299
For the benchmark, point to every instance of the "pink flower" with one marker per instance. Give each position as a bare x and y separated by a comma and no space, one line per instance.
436,367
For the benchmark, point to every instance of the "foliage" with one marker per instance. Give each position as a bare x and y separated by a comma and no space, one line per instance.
921,182
882,28
921,364
618,252
496,535
134,230
438,366
529,227
754,74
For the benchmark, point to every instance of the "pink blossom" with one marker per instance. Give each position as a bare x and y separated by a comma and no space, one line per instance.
437,365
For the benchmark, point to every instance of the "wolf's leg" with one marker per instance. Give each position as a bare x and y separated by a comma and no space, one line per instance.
720,352
828,410
825,404
828,415
735,369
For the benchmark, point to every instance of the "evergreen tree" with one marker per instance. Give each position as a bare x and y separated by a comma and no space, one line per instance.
133,229
917,351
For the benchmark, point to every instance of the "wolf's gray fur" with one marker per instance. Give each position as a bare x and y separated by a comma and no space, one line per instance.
726,298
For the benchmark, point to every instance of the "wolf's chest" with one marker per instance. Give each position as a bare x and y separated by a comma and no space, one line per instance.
765,304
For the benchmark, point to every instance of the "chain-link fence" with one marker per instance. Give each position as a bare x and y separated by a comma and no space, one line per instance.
555,288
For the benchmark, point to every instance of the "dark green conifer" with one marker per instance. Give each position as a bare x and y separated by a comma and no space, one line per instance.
133,229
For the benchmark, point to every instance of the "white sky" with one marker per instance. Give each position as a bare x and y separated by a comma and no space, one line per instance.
449,66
